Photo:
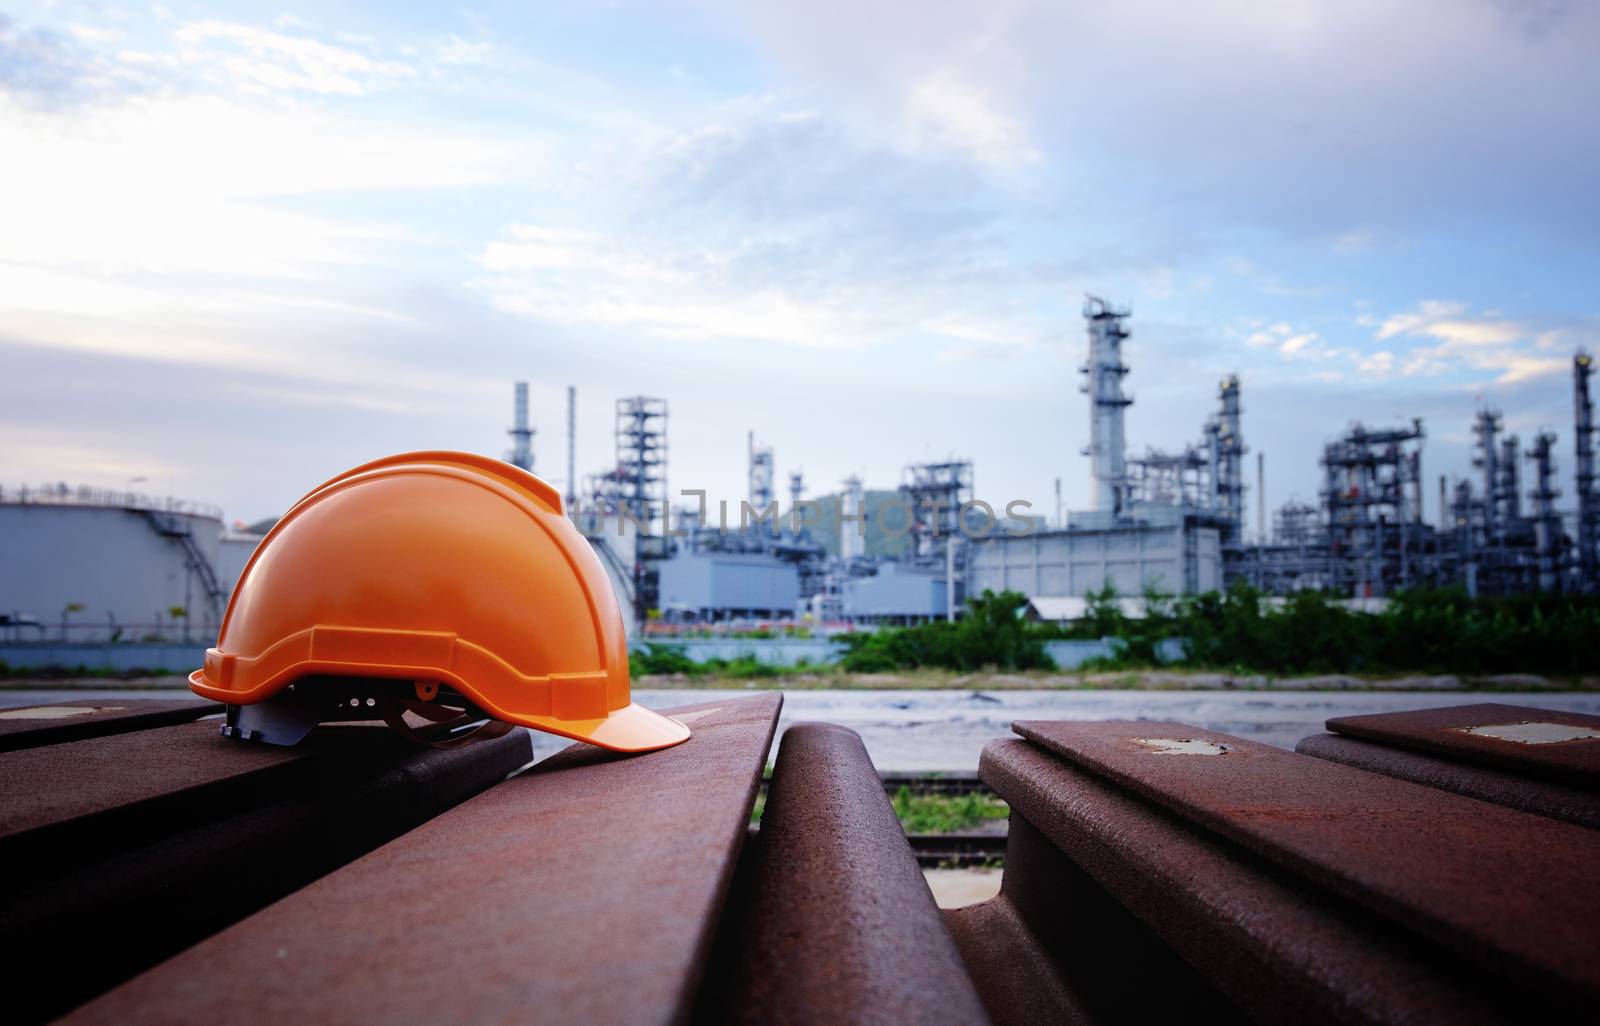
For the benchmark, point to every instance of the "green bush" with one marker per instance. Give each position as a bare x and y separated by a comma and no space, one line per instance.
991,634
1426,630
658,658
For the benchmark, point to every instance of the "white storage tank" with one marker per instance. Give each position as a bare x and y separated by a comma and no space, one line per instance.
94,565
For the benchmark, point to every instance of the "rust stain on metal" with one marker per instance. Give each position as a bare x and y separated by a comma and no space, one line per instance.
1282,949
1509,890
1457,732
1541,797
585,890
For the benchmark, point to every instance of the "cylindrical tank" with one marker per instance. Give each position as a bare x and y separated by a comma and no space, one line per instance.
93,566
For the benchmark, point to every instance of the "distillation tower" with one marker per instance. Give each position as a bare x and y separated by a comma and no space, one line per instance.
1103,373
1583,467
852,522
521,454
1226,444
760,474
1548,539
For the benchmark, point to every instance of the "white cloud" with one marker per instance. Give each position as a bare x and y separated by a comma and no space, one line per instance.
456,50
258,60
955,112
40,454
1464,341
1378,365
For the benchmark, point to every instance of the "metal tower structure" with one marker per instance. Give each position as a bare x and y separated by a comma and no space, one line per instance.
1546,521
1583,468
1103,373
1169,478
760,470
1228,459
572,447
852,529
1509,489
1485,428
1297,523
521,454
1373,498
797,489
641,434
935,492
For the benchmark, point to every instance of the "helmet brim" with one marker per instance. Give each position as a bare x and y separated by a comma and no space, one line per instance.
630,729
633,728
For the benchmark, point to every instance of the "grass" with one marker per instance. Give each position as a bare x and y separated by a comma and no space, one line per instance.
930,813
946,813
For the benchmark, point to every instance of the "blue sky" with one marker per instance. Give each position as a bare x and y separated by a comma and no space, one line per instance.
246,246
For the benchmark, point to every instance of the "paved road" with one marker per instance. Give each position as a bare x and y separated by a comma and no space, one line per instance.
945,730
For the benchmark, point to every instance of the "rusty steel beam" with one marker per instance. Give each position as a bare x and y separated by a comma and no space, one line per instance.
1055,947
1540,797
836,923
1528,741
1511,891
585,890
35,725
94,791
124,850
1279,948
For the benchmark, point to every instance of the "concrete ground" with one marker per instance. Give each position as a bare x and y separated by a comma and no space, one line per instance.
951,680
945,729
958,888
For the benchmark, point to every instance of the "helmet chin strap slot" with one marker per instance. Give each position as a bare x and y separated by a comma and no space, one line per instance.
450,728
288,717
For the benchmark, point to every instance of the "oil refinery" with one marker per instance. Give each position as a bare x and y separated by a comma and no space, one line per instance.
95,564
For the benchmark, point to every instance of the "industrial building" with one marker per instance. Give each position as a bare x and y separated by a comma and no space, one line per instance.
96,565
711,585
1160,521
1165,521
1368,538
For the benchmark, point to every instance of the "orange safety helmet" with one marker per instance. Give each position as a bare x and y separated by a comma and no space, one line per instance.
445,584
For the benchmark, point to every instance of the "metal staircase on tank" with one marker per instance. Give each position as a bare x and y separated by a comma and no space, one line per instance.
624,573
179,531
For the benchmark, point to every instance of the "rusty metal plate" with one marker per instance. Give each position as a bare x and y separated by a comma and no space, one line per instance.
585,890
1541,797
1283,950
1512,891
839,925
1536,742
34,725
211,830
129,774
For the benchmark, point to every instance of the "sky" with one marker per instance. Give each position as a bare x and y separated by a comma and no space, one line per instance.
244,247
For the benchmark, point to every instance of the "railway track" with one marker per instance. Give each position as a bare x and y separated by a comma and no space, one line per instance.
957,849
